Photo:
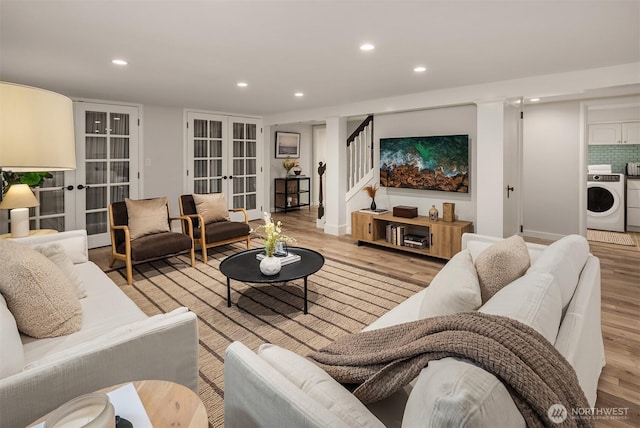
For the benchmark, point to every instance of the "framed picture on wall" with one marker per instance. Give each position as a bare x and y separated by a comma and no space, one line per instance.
287,145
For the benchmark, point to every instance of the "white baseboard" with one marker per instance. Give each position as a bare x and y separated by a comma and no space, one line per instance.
334,229
542,235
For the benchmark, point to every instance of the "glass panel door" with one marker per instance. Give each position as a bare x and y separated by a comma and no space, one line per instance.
223,157
107,171
207,153
244,165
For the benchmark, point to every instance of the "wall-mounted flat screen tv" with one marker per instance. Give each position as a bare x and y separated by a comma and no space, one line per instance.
427,163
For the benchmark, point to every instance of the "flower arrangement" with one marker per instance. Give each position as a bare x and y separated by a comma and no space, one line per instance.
272,234
288,164
371,190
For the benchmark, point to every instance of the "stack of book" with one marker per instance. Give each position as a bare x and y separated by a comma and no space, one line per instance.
284,260
416,241
395,233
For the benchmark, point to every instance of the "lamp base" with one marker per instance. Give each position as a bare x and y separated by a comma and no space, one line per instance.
19,222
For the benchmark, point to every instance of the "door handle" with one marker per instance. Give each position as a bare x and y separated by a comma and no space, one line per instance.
81,186
509,189
69,187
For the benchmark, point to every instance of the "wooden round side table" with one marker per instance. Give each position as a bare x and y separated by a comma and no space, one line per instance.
167,404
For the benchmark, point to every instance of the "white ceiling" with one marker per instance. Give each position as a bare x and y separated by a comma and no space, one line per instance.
192,53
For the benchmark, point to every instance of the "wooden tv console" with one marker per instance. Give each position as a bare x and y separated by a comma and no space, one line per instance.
443,239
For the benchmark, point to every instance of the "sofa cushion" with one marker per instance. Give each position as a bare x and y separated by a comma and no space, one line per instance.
147,216
564,259
157,245
57,254
456,393
38,294
105,309
454,289
223,230
212,207
501,263
11,352
477,247
533,299
319,386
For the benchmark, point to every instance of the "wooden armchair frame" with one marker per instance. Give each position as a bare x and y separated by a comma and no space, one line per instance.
185,222
202,240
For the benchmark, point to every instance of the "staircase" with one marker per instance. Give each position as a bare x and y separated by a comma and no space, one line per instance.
360,157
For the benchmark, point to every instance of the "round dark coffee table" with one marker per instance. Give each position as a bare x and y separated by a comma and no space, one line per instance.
245,267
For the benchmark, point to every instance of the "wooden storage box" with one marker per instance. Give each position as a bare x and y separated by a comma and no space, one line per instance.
405,211
448,211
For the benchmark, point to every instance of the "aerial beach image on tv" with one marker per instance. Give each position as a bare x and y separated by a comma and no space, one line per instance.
428,163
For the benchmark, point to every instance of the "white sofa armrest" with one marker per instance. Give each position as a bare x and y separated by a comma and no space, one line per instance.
167,350
257,395
580,336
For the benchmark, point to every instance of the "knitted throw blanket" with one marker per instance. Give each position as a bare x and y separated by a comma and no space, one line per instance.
382,361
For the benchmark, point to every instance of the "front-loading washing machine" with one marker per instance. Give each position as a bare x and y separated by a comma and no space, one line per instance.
605,202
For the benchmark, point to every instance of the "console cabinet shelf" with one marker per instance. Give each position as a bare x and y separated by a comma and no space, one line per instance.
441,239
292,193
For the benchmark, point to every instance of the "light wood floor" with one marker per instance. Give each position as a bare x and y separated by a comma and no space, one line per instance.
619,385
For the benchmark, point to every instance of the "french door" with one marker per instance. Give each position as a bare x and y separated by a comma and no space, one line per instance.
107,165
223,157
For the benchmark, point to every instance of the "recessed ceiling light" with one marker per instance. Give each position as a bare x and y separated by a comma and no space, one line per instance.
242,84
533,100
420,69
299,94
119,62
367,47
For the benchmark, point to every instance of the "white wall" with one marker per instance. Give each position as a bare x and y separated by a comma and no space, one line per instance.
443,121
161,165
551,184
275,165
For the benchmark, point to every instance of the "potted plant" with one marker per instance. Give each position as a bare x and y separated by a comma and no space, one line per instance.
371,191
289,164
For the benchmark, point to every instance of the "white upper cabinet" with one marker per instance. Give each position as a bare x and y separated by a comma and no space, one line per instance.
614,133
631,133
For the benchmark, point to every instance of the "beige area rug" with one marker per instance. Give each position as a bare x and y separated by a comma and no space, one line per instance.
610,237
342,299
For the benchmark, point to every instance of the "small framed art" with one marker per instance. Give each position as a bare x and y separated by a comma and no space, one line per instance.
287,145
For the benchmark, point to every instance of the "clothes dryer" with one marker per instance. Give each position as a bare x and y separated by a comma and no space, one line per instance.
605,202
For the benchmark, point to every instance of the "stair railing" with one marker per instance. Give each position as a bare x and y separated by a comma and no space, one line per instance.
360,153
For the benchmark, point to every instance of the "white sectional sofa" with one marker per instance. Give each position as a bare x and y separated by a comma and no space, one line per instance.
117,343
559,296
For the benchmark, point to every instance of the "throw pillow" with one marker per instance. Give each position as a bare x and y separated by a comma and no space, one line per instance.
57,254
147,216
318,385
38,294
564,259
456,393
500,264
212,207
533,299
11,351
454,289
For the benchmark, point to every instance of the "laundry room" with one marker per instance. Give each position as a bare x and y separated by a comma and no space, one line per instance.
613,178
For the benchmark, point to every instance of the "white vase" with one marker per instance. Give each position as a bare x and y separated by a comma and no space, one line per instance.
270,265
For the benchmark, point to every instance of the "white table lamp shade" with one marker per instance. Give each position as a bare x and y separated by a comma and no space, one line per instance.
19,199
36,130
